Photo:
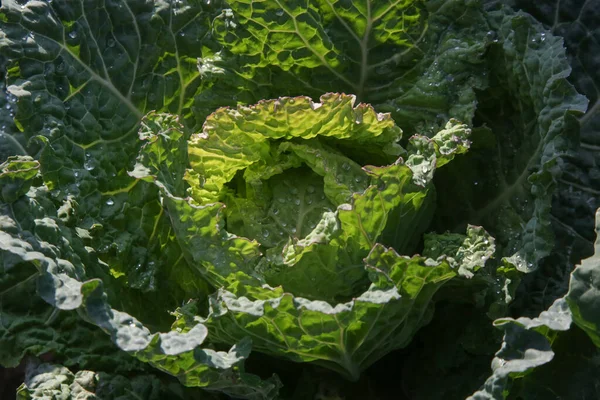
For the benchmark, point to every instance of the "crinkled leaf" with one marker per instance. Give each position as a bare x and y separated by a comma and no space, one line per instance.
37,245
584,291
411,58
576,198
347,337
15,175
527,345
235,139
506,184
80,76
43,381
467,252
254,159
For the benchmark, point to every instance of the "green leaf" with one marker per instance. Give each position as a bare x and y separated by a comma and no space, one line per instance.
235,139
467,253
81,75
527,345
576,199
583,296
15,175
531,109
206,245
38,246
43,381
288,170
347,337
411,58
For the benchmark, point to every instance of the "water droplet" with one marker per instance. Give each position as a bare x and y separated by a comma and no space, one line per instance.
279,13
89,163
110,202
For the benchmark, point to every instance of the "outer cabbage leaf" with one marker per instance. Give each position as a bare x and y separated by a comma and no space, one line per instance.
44,380
347,337
584,291
80,76
419,60
576,198
527,345
37,246
529,116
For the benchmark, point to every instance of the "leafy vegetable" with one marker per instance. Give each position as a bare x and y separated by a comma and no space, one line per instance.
209,194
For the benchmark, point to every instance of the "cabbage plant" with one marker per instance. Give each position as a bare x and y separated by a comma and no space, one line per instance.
301,199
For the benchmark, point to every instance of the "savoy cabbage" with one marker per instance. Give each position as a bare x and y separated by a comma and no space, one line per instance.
272,199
